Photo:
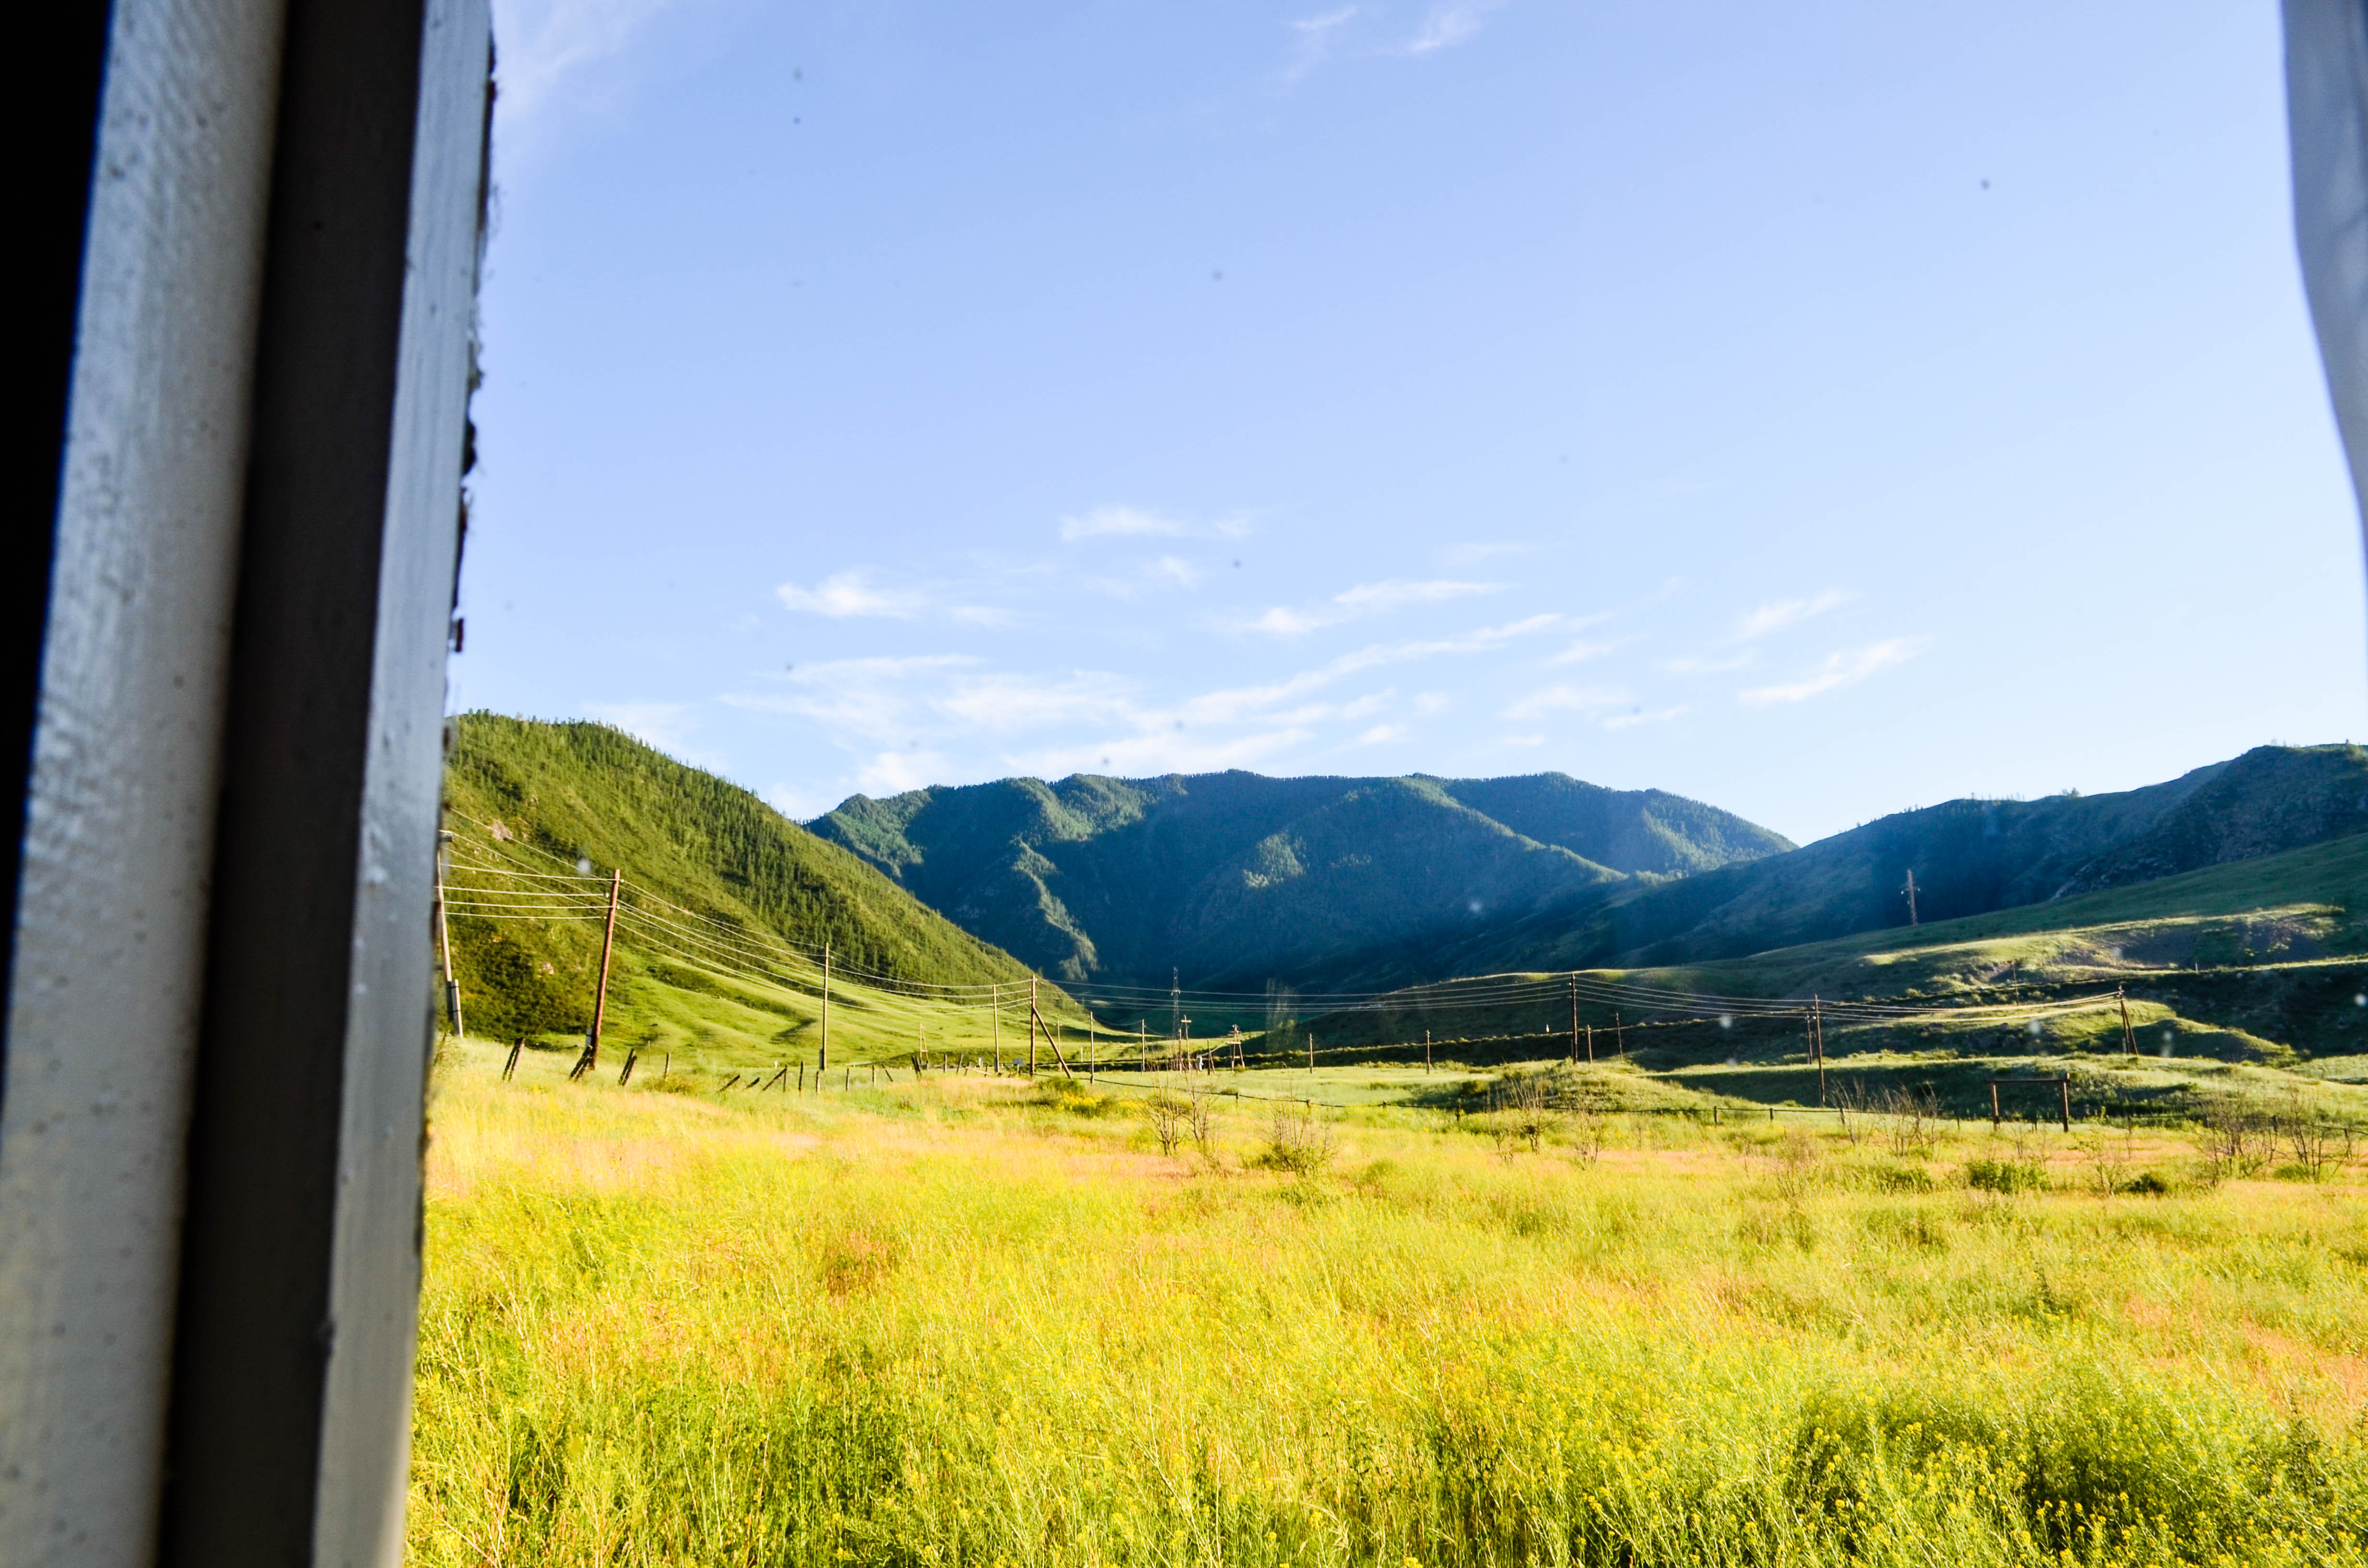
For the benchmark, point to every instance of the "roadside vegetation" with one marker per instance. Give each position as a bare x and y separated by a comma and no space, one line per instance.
1527,1313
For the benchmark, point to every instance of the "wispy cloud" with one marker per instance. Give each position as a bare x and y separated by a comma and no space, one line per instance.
1449,24
851,594
1846,667
1134,522
1579,652
1583,699
1708,664
895,772
544,42
1630,720
1381,732
1473,554
1365,598
1778,614
866,698
1315,37
1005,702
666,725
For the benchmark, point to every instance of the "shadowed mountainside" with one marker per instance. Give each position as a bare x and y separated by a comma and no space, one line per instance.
1236,879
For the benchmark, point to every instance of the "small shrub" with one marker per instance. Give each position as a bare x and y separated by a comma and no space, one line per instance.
2005,1175
1903,1178
1072,1098
2147,1184
1302,1142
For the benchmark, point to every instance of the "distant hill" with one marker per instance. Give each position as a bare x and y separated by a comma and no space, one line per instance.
1969,856
542,796
1234,879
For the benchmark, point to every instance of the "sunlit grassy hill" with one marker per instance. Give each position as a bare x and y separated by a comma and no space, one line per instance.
725,899
2248,976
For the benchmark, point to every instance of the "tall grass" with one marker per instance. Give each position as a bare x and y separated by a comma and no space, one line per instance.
953,1325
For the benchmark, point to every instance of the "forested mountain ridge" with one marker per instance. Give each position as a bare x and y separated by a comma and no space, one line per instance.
1970,857
1236,879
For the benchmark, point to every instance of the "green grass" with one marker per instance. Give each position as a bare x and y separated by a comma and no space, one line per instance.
962,1322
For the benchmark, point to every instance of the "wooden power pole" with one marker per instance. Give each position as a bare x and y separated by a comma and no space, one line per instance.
822,1058
1817,1041
1573,1017
600,995
1034,1023
444,939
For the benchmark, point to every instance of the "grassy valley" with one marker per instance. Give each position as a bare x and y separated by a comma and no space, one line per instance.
970,1320
1414,1283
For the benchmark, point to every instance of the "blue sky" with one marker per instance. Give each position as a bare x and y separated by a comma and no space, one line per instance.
1818,410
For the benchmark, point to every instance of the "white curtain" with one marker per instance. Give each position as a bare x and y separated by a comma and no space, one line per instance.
2327,114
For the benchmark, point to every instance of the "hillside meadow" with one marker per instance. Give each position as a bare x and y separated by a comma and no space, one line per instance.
970,1320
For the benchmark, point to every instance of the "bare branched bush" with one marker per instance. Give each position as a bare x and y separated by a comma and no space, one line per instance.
1168,1114
1589,1128
2232,1137
1914,1120
1201,1119
2316,1140
2111,1151
1302,1144
1851,1099
1525,1109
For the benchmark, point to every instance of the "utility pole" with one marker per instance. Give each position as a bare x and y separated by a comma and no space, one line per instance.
1619,1034
1573,1017
444,937
600,995
1175,1000
822,1060
1817,1041
2120,995
995,1019
1426,1050
1311,1053
1590,1045
1036,1024
1911,895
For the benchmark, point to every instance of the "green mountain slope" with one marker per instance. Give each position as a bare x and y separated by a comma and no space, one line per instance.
1969,857
1235,880
716,880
